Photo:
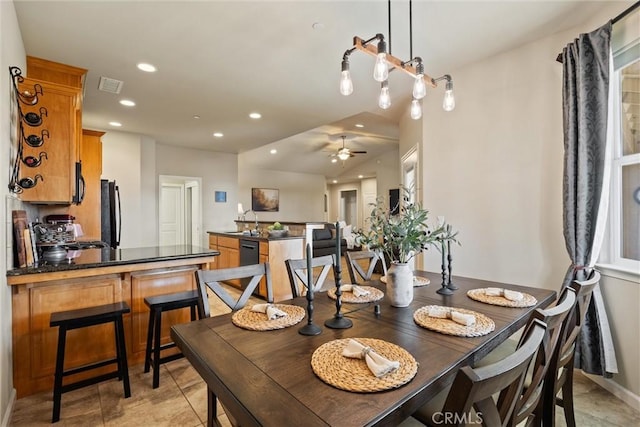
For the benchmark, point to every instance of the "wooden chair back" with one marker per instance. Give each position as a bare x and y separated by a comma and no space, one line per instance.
530,403
298,275
560,374
473,389
354,265
211,279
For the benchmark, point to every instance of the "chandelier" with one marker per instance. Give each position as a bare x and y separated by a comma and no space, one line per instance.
376,46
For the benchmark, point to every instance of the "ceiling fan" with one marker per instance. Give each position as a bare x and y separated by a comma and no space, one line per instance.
344,153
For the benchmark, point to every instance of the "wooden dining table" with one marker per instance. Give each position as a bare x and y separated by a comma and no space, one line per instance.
266,378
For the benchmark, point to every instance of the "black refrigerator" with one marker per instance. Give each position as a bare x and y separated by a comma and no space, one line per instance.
111,214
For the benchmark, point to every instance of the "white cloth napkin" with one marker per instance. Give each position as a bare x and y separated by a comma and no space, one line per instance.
499,292
357,290
378,365
458,317
270,310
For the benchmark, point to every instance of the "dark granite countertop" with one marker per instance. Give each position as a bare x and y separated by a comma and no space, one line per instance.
264,237
105,257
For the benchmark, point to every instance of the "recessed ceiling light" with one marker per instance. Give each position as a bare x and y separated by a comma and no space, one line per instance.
273,151
334,160
196,116
127,103
335,181
360,176
317,26
148,68
115,124
218,134
255,115
359,125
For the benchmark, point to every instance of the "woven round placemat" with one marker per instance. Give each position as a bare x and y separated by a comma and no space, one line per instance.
417,281
479,295
349,374
483,324
256,321
348,297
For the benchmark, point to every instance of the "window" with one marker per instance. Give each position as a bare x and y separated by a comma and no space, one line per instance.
623,249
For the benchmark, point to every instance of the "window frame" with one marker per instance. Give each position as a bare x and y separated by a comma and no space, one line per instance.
611,255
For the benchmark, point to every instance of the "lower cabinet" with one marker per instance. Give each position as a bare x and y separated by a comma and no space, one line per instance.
35,343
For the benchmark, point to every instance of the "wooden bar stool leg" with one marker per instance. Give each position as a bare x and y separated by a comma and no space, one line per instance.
123,366
156,348
147,354
57,387
193,312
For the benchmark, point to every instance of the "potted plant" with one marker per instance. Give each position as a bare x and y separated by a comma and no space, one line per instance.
401,237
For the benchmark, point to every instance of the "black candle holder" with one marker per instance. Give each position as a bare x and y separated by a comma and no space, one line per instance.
309,328
338,321
450,284
444,289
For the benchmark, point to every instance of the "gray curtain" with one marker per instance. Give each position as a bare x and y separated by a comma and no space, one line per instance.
585,108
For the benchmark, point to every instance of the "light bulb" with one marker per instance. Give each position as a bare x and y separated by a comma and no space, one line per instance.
449,102
416,109
419,88
346,85
381,69
384,101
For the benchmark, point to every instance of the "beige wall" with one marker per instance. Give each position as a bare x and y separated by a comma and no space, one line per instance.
301,195
498,180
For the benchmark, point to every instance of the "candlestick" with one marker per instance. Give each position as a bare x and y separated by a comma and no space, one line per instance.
444,290
450,285
338,321
309,328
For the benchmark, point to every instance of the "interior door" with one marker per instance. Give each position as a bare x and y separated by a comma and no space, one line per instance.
172,214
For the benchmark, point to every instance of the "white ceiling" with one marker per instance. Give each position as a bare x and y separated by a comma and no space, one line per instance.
221,60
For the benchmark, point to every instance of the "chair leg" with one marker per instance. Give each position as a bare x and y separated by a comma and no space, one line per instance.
567,399
156,349
147,354
57,386
123,365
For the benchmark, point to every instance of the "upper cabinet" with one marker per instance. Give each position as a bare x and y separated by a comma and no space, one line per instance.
47,156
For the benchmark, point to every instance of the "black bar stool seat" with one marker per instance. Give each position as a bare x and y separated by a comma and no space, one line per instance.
157,304
81,318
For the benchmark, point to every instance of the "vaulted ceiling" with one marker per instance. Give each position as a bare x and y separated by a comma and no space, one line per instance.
221,60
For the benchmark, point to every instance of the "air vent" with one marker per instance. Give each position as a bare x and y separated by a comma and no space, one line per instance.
110,85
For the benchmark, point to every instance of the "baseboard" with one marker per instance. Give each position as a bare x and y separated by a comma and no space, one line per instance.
617,390
6,418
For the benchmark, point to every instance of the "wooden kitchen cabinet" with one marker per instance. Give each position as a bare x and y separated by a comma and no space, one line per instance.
88,212
59,108
229,249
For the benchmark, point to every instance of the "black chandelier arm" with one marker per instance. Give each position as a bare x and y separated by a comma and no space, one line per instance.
446,77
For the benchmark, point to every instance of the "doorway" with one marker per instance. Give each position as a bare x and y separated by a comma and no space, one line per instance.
180,210
349,206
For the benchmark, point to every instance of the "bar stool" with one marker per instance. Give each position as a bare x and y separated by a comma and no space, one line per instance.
158,304
81,318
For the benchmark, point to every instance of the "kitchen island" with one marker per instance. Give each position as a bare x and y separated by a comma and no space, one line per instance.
238,248
88,278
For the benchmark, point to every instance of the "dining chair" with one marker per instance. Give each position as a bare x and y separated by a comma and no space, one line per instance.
529,406
298,275
212,280
470,399
356,266
560,373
